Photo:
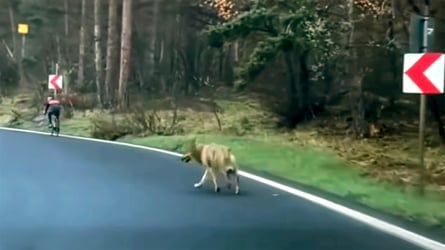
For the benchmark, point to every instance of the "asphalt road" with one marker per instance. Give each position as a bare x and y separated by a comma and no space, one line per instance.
59,193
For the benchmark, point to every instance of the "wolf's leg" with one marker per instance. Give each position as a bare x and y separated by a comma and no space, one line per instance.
227,177
234,177
237,184
203,178
214,181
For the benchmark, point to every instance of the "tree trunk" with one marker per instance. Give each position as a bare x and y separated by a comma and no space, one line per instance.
357,105
436,101
98,50
292,105
355,80
161,66
437,115
111,60
125,52
66,47
228,73
153,39
81,69
221,64
66,8
58,49
236,51
305,103
13,30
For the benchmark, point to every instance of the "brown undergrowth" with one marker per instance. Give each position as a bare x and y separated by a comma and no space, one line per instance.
393,157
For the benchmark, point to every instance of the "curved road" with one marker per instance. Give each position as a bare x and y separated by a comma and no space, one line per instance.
60,193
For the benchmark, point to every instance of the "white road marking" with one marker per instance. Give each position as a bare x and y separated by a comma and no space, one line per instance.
381,225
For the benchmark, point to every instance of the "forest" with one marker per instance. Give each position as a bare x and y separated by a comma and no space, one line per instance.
293,83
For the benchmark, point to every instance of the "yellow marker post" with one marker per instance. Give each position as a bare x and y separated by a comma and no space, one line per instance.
23,29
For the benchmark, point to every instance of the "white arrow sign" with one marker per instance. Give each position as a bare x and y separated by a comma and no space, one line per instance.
55,82
423,73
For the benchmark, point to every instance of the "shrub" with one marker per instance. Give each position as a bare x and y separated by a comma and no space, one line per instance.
107,129
153,122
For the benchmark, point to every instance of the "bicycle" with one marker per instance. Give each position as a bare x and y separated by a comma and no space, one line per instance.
55,125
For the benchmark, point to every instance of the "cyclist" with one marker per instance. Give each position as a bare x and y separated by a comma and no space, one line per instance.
52,107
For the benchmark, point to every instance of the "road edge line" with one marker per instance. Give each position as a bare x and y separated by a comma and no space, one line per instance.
379,224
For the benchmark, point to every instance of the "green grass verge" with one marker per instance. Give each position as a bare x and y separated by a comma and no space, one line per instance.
318,169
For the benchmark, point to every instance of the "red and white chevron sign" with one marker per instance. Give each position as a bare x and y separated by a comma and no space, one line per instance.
423,73
55,82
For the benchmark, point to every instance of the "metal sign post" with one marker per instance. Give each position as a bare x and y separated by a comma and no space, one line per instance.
422,112
57,72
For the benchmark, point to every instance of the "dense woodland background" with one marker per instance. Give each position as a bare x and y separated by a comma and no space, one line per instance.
324,74
301,58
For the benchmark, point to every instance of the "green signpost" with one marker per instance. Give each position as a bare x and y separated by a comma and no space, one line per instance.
417,33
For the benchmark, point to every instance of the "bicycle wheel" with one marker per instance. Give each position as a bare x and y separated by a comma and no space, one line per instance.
57,126
53,125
